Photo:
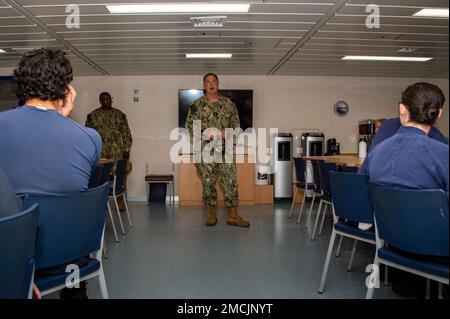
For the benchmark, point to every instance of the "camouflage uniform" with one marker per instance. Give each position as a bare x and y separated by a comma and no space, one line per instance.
221,114
112,125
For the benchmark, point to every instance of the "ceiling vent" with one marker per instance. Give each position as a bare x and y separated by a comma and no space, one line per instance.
209,22
406,50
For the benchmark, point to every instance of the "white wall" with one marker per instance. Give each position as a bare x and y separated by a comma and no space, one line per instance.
286,103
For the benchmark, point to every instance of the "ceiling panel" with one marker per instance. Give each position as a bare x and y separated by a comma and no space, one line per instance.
291,37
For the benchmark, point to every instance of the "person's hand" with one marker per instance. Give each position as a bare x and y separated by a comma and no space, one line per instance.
37,292
211,133
69,101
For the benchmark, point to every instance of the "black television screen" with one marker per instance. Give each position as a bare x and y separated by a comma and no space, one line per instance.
8,98
242,98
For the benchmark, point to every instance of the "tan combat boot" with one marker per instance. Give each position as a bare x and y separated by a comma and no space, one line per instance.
212,216
236,220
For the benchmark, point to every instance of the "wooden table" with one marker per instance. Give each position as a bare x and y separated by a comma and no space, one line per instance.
343,160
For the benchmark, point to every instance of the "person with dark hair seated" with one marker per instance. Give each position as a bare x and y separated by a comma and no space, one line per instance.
411,158
43,151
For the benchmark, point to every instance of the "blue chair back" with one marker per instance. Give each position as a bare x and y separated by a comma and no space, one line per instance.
412,220
121,166
316,174
96,175
324,170
351,197
70,226
350,169
17,246
300,168
106,173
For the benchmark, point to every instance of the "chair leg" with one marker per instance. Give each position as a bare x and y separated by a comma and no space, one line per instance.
293,203
338,251
386,275
374,275
327,261
301,208
112,223
323,219
126,209
349,267
102,283
428,288
172,200
147,185
105,249
310,210
118,214
440,291
316,221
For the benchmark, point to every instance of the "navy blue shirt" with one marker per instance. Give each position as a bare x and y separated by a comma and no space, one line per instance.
409,159
388,129
43,152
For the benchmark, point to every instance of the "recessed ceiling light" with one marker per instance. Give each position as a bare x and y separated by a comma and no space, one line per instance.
2,51
385,58
209,55
434,13
180,7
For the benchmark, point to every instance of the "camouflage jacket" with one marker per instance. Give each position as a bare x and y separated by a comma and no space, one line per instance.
112,125
220,115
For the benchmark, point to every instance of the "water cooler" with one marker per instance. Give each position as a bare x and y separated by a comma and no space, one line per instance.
281,145
312,144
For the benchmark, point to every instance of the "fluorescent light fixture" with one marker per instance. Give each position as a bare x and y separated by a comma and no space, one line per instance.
385,58
2,51
208,55
433,13
180,8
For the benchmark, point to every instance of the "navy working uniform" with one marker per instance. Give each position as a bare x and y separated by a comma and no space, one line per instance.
410,159
388,129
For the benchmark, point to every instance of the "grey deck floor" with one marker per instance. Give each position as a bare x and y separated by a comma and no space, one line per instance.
171,253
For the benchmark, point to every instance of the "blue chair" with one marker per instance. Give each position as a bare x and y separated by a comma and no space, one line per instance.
324,170
300,173
351,202
350,169
94,180
17,246
317,190
411,228
118,189
70,227
101,176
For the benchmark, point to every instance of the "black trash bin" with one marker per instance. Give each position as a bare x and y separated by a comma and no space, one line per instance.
157,192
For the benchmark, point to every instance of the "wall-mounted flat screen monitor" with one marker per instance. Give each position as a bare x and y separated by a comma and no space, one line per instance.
8,98
242,98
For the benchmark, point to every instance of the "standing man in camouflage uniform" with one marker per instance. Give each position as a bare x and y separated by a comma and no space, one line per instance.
219,112
112,125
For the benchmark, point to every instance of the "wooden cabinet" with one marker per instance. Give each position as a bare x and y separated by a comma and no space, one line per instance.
264,194
190,185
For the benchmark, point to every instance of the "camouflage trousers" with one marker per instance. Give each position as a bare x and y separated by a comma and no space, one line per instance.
226,174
